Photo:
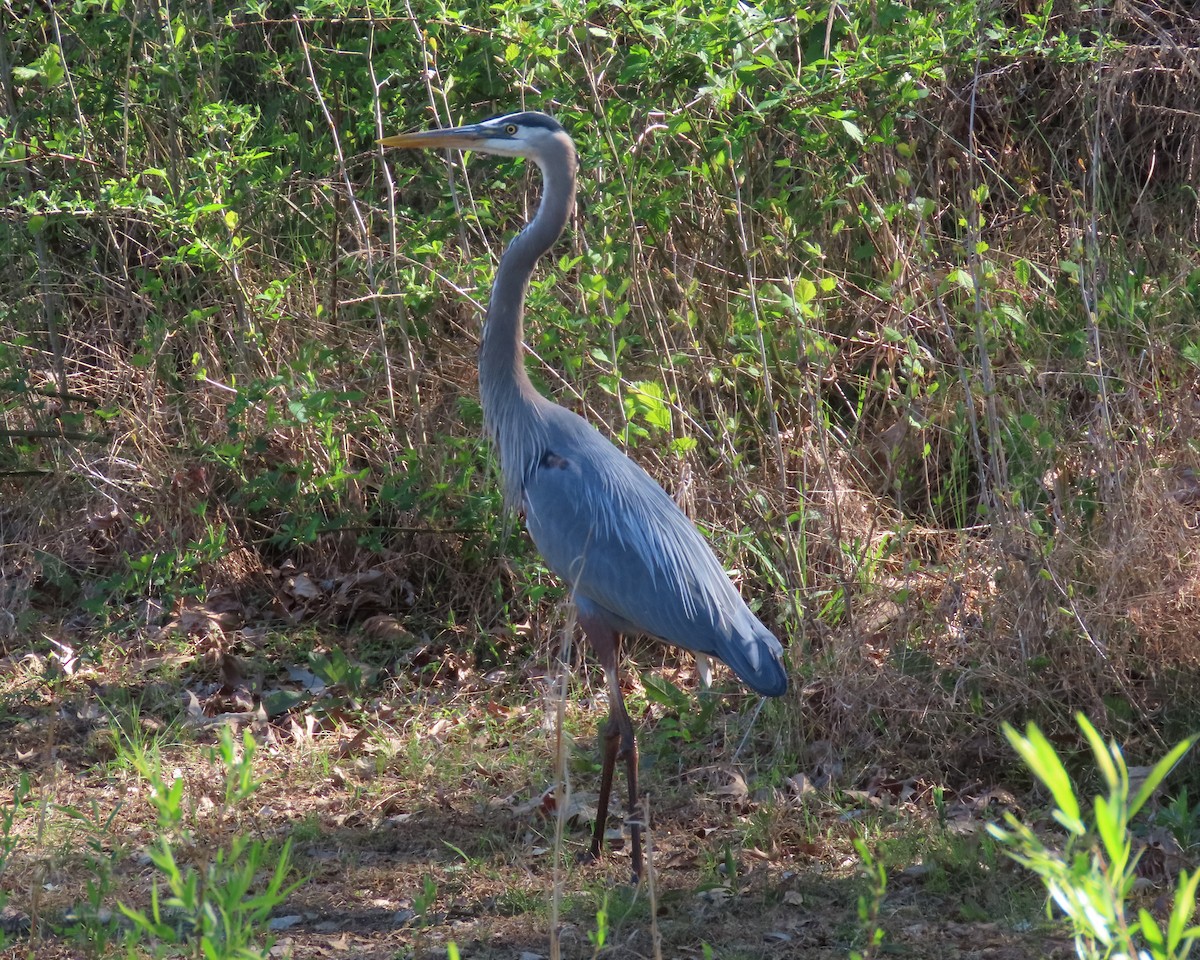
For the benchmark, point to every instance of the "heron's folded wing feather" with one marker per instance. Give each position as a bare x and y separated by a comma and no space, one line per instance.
607,528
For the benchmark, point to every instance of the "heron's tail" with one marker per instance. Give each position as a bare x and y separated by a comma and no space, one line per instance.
753,653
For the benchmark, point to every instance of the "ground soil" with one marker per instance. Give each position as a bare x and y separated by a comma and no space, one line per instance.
417,822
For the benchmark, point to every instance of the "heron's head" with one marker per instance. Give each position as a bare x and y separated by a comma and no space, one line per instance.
532,135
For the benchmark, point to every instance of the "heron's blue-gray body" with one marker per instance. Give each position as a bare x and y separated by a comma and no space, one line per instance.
630,554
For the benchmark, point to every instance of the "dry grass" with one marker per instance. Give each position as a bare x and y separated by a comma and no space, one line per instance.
749,869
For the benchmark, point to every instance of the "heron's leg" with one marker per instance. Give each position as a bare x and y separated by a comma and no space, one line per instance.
619,719
616,739
607,644
608,751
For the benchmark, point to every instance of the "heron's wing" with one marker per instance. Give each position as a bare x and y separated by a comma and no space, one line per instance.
603,525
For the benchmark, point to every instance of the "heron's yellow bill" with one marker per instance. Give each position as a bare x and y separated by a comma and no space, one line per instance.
461,137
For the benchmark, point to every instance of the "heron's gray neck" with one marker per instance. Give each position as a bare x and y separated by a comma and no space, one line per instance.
508,398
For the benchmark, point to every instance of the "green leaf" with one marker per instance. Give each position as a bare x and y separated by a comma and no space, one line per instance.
664,693
854,131
1108,758
646,399
1112,825
52,65
278,702
964,280
1040,757
683,445
1158,774
1151,933
1181,910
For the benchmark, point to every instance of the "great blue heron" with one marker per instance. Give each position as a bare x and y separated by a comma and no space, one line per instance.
634,562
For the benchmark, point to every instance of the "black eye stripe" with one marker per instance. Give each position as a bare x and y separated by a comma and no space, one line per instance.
526,120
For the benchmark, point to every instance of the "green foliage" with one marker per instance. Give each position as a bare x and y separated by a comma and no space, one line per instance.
598,937
219,907
9,813
684,717
92,924
219,124
1182,819
424,901
870,904
1090,878
335,670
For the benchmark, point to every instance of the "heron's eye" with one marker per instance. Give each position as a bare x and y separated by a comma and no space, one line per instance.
510,129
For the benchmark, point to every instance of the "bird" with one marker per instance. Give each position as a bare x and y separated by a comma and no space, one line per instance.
633,561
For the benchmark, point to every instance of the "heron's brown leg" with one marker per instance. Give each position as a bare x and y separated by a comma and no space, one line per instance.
628,750
616,741
609,739
607,644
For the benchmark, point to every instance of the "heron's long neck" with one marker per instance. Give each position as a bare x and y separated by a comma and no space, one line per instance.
504,385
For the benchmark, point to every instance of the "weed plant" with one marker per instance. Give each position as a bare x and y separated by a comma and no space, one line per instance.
1091,877
8,839
211,909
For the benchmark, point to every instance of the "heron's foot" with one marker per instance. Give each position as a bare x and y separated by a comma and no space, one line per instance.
593,855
